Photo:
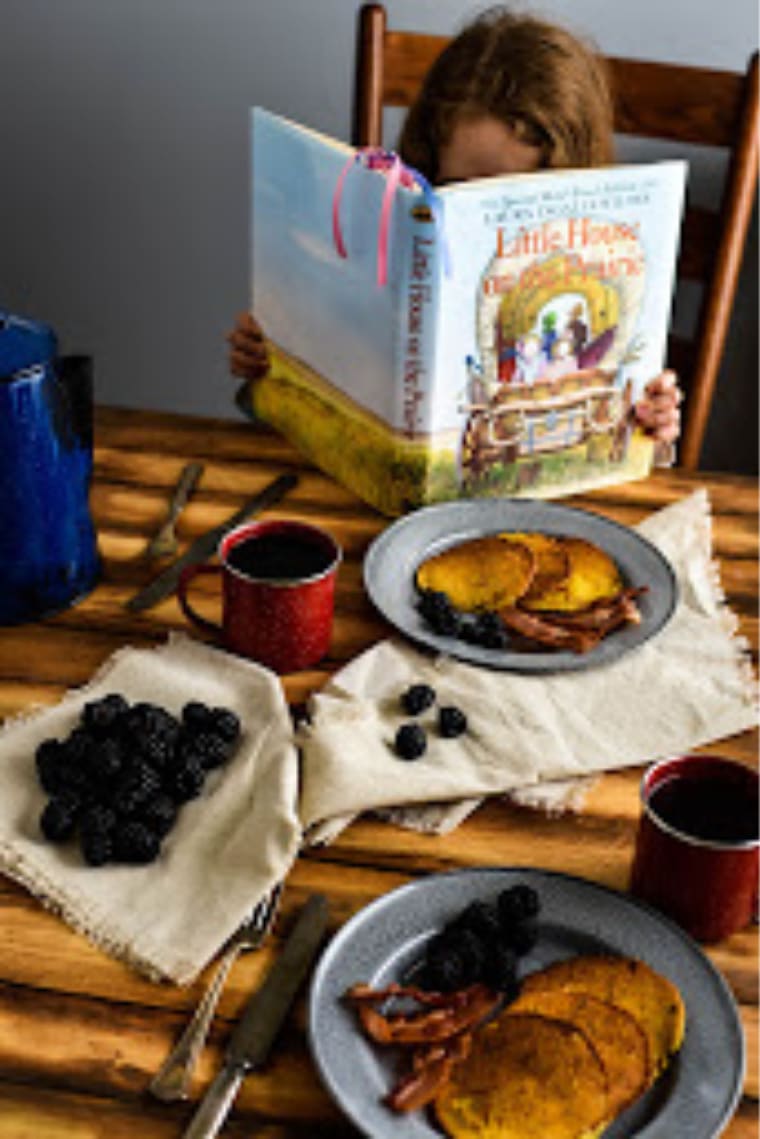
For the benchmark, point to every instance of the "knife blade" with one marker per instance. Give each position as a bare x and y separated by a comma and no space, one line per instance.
206,545
262,1019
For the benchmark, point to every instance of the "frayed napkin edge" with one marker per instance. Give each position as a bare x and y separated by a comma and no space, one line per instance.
91,927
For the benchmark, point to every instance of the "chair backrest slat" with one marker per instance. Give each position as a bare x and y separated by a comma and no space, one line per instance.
682,104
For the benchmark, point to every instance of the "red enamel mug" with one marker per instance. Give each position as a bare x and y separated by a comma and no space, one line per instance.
696,855
278,586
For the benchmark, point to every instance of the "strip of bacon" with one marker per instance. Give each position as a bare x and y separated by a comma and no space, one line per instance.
579,631
545,632
465,1008
431,1069
603,615
361,992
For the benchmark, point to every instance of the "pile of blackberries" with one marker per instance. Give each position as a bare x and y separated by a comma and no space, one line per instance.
484,628
411,739
483,943
118,780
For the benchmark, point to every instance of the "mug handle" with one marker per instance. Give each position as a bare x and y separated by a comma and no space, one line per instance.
183,584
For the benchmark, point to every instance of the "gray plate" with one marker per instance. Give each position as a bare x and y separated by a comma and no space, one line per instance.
697,1095
394,556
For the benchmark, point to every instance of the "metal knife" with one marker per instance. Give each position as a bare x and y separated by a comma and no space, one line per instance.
261,1020
206,545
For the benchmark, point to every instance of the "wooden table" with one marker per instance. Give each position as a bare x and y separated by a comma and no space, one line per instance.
80,1034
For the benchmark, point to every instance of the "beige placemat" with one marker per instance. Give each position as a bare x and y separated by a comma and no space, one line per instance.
228,847
687,686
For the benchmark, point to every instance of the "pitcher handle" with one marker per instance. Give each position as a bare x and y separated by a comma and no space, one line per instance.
186,577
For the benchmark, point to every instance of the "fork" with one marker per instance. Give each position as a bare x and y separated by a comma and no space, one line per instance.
164,541
172,1080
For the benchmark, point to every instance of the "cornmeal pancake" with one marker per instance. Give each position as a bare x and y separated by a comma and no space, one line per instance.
483,573
649,997
552,561
617,1037
593,576
526,1077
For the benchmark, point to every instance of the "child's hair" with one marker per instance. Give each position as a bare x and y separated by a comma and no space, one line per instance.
548,86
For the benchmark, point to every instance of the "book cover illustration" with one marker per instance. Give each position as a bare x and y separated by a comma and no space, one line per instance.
505,351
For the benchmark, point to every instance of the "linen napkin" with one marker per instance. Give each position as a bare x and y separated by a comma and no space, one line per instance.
227,848
532,736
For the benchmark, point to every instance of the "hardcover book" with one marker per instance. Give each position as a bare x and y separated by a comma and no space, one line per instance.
484,338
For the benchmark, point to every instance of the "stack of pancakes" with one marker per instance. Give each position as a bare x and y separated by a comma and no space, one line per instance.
583,1040
542,572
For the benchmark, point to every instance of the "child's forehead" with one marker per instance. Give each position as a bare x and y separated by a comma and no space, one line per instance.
481,146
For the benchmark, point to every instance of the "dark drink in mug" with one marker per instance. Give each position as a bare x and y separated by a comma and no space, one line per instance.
697,845
277,555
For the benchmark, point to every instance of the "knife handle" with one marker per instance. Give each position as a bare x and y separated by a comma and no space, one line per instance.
215,1105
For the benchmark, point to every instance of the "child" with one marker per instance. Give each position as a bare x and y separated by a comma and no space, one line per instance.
508,95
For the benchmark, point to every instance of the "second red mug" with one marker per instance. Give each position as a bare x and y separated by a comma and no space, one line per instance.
697,844
278,585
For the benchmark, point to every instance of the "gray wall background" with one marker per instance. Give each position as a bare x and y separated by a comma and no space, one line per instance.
124,177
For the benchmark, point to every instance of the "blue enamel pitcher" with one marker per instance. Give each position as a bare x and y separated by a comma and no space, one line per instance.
48,550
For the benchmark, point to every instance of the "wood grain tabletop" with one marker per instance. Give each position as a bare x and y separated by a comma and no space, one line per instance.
82,1034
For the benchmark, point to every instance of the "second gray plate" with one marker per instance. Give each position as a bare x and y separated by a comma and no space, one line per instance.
394,556
695,1097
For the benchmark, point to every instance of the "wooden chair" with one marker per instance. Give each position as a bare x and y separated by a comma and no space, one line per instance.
653,100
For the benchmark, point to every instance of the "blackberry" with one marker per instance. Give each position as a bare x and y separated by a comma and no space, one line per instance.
500,969
211,750
481,918
197,717
444,971
97,847
161,722
100,716
58,819
521,937
489,631
185,782
454,959
159,814
97,817
410,742
78,747
48,759
137,721
225,723
139,785
75,778
417,698
135,842
471,948
155,749
469,632
186,750
451,722
439,613
107,761
517,903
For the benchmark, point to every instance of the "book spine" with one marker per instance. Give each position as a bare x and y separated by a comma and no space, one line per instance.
417,306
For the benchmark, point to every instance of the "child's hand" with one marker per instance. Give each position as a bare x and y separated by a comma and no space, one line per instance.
249,355
658,409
